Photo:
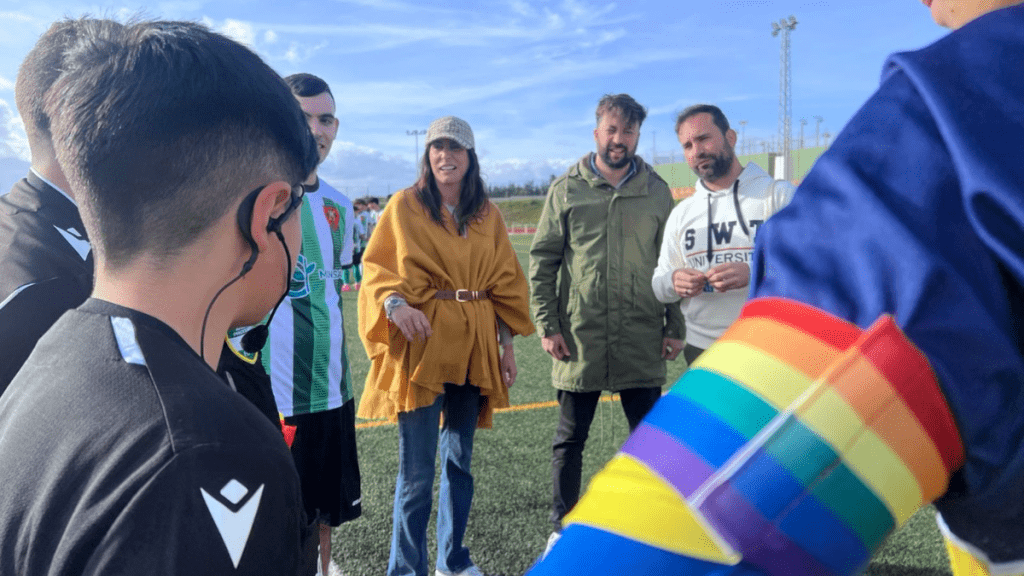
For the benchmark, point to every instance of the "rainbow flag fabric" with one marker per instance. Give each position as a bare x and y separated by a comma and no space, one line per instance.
794,445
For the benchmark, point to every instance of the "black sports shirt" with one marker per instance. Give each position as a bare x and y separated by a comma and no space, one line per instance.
45,267
121,452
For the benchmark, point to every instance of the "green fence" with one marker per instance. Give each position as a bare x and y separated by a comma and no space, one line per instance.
679,174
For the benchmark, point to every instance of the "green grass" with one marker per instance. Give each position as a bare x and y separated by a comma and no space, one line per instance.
508,525
521,211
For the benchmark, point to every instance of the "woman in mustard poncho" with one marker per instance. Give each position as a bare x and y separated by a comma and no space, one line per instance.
442,296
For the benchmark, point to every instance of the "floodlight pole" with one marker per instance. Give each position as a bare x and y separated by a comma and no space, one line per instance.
800,150
743,137
416,145
817,130
785,96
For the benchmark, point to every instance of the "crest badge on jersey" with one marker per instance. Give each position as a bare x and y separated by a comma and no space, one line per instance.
333,216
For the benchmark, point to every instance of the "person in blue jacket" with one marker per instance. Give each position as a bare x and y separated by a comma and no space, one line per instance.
878,366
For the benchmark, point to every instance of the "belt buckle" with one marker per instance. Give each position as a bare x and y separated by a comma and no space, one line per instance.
463,295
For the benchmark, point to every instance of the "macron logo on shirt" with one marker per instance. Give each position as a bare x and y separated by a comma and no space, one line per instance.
75,239
234,526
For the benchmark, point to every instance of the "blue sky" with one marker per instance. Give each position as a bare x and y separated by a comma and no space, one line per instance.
526,74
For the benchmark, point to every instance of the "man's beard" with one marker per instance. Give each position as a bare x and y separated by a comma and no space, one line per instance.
719,166
627,157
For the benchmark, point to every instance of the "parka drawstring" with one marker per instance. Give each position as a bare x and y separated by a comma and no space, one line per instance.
739,214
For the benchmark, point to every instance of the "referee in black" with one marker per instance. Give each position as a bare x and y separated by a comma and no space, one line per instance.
45,257
121,451
46,264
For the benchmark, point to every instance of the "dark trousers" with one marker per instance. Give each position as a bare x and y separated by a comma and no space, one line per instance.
690,352
575,416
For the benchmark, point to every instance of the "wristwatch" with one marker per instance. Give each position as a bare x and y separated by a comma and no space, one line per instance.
391,303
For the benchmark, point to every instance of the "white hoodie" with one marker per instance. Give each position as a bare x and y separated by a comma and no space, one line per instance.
685,245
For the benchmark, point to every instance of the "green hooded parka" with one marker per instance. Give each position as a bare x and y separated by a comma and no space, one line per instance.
591,262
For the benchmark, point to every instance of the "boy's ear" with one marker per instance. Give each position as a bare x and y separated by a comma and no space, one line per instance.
270,202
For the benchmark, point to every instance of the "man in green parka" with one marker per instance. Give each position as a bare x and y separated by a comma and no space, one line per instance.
591,262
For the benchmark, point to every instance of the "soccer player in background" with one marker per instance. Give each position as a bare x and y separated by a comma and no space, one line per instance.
306,355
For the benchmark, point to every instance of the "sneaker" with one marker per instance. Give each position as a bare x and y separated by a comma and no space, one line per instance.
551,543
471,571
346,288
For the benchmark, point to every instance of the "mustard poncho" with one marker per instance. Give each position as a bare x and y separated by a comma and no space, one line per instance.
411,254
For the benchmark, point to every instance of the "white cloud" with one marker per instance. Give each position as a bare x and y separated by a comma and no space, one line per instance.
519,171
12,17
384,97
575,9
371,37
292,55
263,37
243,32
608,36
360,170
522,8
298,52
382,4
587,15
6,84
554,20
429,23
125,14
13,142
11,170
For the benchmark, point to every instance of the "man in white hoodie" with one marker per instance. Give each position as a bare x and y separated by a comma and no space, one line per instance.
709,238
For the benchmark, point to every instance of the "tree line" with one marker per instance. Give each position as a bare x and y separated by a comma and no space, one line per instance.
531,188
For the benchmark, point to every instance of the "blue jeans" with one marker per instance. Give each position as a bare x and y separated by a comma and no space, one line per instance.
417,447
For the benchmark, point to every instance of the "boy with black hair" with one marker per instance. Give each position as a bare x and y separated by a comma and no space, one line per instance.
187,152
45,256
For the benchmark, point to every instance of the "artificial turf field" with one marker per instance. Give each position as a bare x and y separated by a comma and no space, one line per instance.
508,525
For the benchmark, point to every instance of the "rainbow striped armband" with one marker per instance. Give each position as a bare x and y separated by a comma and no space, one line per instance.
794,445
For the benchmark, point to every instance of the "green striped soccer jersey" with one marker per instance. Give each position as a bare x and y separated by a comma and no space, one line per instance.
306,355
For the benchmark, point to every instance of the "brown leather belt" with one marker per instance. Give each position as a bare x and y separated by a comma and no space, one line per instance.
462,295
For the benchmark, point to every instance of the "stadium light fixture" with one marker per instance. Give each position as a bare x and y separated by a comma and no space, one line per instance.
416,145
